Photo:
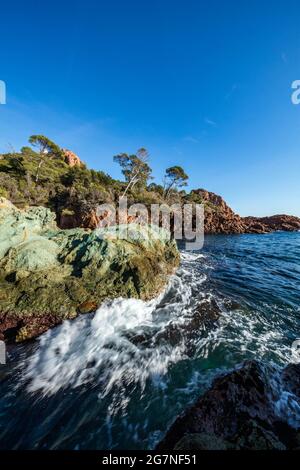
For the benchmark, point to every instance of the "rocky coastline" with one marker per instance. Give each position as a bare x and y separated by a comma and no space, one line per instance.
73,192
54,266
220,218
48,275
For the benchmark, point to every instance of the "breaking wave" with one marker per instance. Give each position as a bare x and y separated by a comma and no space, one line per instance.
118,377
123,342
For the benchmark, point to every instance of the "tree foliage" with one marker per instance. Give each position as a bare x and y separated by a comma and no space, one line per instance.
45,146
135,168
175,178
36,176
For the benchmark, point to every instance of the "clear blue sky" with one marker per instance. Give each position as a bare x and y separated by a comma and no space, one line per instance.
203,84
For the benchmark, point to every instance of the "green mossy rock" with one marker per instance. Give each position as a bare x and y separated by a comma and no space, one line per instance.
48,275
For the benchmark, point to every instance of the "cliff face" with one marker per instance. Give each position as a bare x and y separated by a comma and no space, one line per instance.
220,218
48,275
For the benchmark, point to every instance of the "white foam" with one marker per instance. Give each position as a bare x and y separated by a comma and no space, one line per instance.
191,256
100,348
123,343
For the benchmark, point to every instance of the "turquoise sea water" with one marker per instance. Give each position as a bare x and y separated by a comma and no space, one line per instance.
119,377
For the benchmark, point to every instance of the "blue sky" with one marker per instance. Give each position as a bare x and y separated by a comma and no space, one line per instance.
202,84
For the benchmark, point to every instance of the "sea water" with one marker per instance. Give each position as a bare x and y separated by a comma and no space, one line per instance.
118,378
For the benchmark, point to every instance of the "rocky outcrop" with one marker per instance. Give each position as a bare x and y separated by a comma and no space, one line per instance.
48,275
220,218
249,408
71,158
287,223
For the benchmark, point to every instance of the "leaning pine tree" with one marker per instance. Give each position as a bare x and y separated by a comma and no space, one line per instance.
135,168
46,148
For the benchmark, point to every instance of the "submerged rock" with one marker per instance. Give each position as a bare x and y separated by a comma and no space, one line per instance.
240,411
48,275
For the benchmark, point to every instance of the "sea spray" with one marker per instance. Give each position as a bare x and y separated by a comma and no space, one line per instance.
128,341
117,345
251,282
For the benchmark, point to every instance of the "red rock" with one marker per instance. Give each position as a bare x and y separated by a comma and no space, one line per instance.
238,408
71,158
288,223
220,218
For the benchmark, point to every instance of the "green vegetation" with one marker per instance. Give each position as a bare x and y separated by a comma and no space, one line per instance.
47,149
135,168
40,176
54,184
175,178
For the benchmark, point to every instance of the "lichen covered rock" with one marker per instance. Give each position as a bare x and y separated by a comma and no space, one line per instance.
48,275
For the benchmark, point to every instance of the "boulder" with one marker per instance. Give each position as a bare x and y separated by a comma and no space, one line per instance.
240,411
48,275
